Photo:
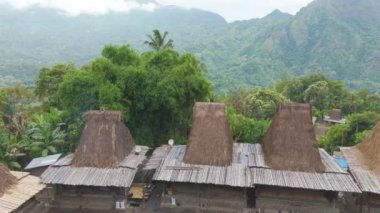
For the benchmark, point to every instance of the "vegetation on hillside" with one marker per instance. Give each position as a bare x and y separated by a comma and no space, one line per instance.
156,90
337,38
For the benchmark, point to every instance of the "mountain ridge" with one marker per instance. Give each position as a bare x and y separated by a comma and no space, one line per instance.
338,38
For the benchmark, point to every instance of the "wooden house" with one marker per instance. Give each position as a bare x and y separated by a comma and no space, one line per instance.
207,174
18,191
293,174
335,117
100,173
285,173
364,164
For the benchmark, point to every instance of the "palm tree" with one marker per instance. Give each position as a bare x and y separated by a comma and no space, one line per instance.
157,41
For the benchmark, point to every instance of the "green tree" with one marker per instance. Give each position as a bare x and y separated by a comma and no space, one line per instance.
257,103
49,80
350,133
318,94
158,42
247,130
14,106
155,91
78,93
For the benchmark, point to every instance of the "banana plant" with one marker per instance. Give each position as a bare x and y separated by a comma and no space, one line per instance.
11,150
44,138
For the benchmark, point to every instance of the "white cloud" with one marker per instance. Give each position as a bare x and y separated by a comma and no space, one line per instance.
76,7
230,9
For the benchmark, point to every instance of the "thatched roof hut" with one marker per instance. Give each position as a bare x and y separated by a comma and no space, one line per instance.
369,149
6,179
210,140
336,114
363,163
290,143
105,141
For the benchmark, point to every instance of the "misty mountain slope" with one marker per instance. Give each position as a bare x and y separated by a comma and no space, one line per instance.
40,37
339,38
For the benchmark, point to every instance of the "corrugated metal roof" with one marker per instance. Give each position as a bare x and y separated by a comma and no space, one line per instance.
174,170
249,169
367,181
62,172
43,161
158,155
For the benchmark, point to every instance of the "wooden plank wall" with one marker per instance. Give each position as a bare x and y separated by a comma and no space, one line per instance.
275,199
203,198
84,198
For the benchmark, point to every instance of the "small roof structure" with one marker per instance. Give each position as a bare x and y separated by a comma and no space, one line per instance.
43,161
335,117
26,187
63,172
210,140
174,169
290,143
106,155
364,161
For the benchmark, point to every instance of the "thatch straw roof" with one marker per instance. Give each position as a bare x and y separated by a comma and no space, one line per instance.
370,151
210,140
290,143
336,114
105,141
6,179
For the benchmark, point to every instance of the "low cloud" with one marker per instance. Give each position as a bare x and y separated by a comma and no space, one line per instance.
76,7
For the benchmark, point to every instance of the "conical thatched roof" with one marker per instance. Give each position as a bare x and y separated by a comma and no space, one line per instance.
290,143
105,141
336,114
370,151
210,140
6,179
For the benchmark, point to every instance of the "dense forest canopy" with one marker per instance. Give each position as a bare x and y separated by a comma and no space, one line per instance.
338,38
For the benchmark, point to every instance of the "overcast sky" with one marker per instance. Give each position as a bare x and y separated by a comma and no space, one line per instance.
230,9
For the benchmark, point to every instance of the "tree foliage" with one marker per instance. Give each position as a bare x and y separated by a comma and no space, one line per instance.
48,82
154,90
350,133
257,103
247,130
